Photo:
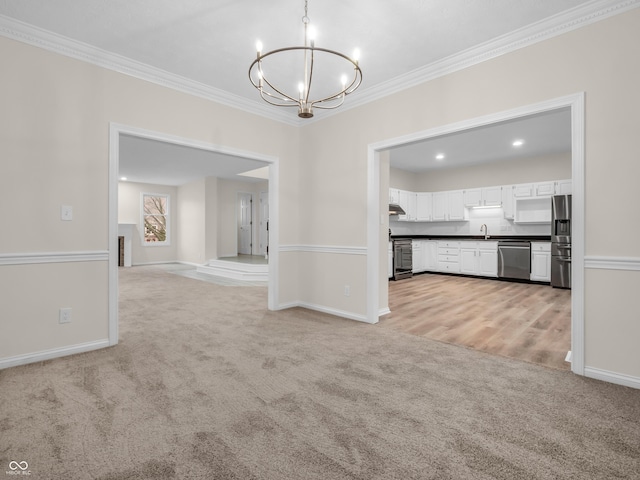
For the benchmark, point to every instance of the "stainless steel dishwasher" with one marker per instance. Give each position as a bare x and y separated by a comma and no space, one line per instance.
514,259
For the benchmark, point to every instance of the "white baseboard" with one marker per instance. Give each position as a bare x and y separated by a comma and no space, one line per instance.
384,311
612,377
51,354
323,309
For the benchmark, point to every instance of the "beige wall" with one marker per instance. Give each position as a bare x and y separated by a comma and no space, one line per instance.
54,150
32,296
404,180
211,218
596,59
507,172
129,198
191,222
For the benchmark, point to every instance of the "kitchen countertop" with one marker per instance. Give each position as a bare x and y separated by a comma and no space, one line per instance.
530,238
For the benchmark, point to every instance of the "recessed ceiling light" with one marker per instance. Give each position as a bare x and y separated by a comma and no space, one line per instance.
440,156
124,179
518,143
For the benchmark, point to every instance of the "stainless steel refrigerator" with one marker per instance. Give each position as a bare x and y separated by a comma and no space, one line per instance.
561,241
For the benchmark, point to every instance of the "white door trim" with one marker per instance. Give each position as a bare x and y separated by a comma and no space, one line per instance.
576,102
115,130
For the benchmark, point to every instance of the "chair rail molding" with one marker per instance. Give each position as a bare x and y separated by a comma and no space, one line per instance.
53,257
612,263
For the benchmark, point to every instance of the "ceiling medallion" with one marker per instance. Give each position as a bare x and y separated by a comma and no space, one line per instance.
310,55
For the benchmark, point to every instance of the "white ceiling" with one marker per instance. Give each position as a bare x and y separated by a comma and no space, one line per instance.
213,41
210,44
543,134
150,161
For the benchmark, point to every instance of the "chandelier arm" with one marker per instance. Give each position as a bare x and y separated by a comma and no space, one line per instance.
330,107
265,96
357,80
345,91
284,97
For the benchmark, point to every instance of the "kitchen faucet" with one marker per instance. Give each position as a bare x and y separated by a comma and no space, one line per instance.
486,230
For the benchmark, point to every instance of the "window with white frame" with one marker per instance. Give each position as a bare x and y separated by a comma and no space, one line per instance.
155,219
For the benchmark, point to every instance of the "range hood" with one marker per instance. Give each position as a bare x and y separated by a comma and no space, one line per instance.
395,209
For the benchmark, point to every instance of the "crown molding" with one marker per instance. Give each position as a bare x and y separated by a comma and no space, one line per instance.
559,24
564,22
38,37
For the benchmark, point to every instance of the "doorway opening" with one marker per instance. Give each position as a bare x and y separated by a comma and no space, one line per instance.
377,233
204,224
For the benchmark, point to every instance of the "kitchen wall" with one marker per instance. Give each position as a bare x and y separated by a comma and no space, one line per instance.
493,218
507,172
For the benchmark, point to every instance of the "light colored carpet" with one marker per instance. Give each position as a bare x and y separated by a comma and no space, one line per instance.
208,384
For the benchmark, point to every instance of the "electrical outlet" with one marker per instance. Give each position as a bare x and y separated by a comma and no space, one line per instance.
65,315
66,213
347,291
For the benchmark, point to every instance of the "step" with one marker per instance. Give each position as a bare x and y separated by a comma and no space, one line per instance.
235,270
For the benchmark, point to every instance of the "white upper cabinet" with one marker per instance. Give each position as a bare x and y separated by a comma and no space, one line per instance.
473,197
424,206
564,187
440,206
394,196
448,206
451,206
545,189
407,200
492,196
523,190
456,205
507,202
540,189
483,197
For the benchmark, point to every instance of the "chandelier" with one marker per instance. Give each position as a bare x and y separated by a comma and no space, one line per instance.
306,58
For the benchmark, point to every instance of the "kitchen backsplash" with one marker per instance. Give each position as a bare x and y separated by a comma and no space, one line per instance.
492,217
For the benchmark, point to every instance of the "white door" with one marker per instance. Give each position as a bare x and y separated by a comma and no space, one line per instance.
245,201
264,223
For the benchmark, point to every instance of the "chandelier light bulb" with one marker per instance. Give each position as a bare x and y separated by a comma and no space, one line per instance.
259,47
356,54
343,80
312,33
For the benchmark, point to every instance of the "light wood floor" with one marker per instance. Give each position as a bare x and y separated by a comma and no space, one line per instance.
529,322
